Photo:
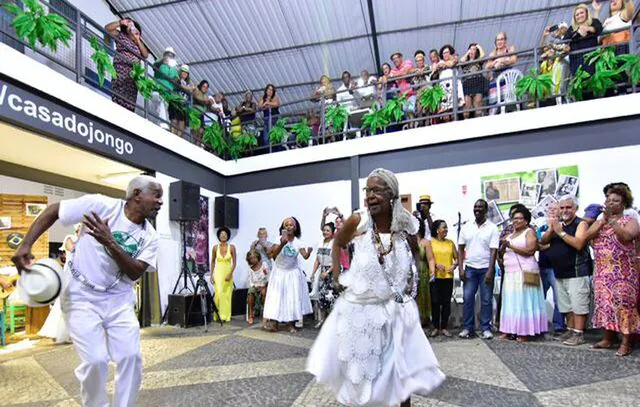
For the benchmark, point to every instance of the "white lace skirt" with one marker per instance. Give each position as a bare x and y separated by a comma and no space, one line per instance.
374,354
287,295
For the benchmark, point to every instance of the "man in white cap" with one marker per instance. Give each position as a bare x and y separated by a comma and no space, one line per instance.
116,247
167,77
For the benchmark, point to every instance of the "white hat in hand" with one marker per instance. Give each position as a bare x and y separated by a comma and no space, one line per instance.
42,284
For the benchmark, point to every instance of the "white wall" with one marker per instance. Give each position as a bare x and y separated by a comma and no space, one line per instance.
169,256
445,185
10,185
268,208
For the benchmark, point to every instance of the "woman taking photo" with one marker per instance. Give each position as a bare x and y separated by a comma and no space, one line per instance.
223,264
583,34
445,261
524,310
616,280
288,295
321,277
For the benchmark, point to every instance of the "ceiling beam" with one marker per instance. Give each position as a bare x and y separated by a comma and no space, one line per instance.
152,6
374,36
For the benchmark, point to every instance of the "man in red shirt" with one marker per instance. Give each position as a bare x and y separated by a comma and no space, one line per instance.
401,68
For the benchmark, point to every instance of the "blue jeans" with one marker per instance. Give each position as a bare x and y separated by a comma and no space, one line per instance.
549,280
475,279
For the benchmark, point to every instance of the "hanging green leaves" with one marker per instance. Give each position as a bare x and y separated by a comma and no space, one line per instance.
535,85
102,60
194,116
37,26
577,84
375,120
214,136
631,65
394,108
603,58
602,81
171,99
146,86
302,132
277,133
430,98
336,116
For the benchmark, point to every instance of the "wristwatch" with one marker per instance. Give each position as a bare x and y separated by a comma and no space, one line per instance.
562,235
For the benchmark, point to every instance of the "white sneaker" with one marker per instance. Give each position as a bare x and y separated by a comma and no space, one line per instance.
487,335
319,324
465,334
299,324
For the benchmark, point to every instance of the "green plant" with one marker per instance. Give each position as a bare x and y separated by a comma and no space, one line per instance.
375,120
102,60
278,133
577,84
393,109
602,81
535,85
431,98
336,116
244,142
603,58
630,63
195,121
37,26
171,99
146,86
302,132
214,136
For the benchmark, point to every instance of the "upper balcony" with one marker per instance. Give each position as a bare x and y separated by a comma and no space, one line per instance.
444,97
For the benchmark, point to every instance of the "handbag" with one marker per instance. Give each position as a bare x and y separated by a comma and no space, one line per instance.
529,278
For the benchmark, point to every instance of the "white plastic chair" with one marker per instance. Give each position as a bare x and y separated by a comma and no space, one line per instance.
509,78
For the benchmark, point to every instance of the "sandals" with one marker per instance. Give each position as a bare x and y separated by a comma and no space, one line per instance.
434,333
446,333
624,350
250,321
603,345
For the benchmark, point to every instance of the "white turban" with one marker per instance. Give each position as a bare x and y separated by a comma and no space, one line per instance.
401,219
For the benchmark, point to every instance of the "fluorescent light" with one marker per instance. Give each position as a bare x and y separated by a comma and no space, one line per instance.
119,178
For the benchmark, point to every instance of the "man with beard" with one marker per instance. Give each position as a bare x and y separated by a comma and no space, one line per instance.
116,247
477,250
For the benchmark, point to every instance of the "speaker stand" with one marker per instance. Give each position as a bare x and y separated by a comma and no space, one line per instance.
200,288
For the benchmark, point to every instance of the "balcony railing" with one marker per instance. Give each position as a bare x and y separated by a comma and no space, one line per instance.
486,91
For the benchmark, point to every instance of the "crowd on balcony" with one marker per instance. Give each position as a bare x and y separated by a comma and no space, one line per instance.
480,78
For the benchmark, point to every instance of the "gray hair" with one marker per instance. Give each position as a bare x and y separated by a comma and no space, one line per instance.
141,182
401,219
571,198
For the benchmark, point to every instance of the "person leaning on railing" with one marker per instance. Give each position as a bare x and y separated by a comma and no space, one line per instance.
419,82
177,115
270,106
324,91
129,50
616,31
202,103
386,86
447,65
582,34
474,84
502,58
553,57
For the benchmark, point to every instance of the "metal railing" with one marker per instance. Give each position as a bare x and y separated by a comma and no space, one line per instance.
490,94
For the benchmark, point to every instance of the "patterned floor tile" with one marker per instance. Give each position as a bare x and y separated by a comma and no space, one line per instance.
281,338
543,368
231,350
271,391
473,360
620,392
469,393
25,381
183,377
158,350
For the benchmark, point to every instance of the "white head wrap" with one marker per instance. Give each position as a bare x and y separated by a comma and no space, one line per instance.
401,219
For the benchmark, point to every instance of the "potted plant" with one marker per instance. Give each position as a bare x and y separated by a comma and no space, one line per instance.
535,86
431,97
277,133
38,26
214,136
302,131
375,121
336,116
630,63
394,108
577,84
241,144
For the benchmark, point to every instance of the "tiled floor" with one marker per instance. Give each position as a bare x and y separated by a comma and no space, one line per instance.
236,365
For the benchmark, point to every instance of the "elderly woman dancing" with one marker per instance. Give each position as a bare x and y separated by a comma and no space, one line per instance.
371,349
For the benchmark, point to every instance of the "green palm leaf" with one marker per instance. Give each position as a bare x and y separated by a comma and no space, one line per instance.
146,86
603,58
102,60
194,115
393,109
214,136
302,132
535,85
278,133
630,63
375,120
37,26
336,116
430,98
577,84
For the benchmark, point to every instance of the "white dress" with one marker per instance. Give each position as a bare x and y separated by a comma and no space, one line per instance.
288,295
371,350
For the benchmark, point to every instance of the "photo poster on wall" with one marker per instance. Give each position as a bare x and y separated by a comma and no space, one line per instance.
536,189
197,240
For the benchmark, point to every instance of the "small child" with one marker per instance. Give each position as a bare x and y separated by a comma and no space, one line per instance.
258,271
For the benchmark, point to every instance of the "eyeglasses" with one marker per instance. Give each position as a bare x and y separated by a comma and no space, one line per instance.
517,218
374,190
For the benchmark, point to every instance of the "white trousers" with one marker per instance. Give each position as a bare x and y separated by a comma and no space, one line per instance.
102,331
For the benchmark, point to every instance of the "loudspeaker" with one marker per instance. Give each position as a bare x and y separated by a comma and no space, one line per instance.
179,310
185,201
226,212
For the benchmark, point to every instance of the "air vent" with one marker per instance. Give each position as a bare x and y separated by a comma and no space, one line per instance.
48,189
59,191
